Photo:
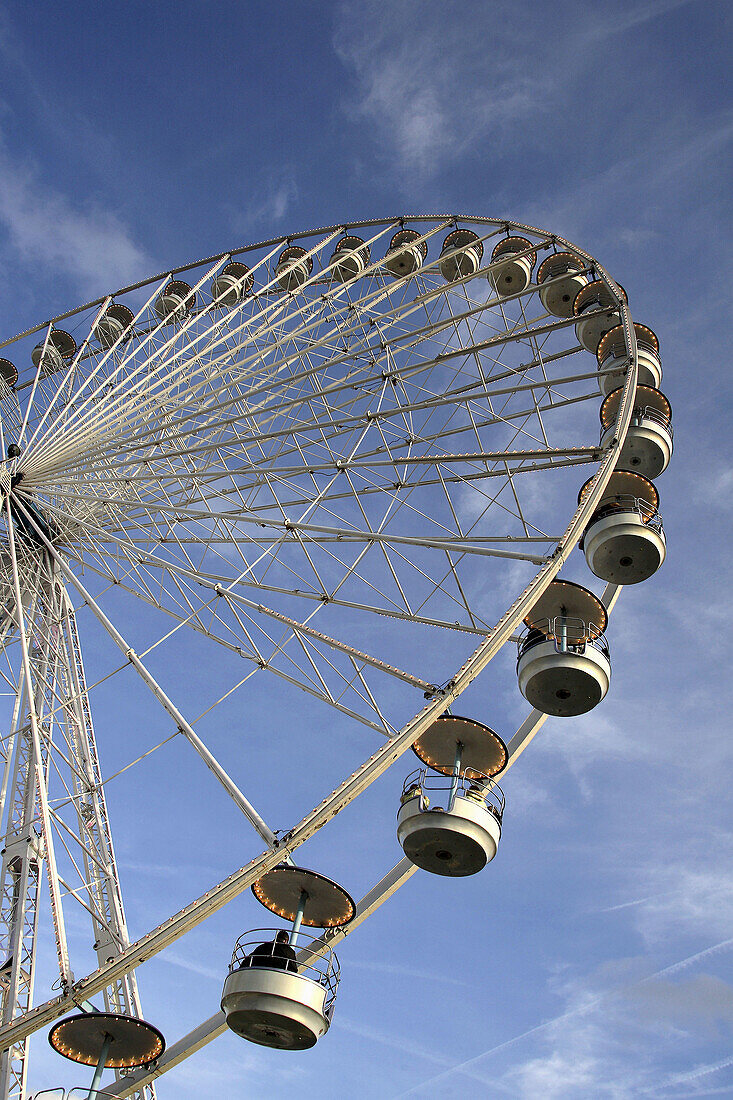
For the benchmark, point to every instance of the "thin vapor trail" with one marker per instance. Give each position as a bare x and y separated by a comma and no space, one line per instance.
693,1075
672,969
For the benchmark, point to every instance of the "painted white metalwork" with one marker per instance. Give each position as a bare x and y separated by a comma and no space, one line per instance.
613,361
649,443
247,449
277,1005
563,678
627,545
561,277
512,262
450,825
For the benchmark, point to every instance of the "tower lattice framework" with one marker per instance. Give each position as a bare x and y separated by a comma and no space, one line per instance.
51,745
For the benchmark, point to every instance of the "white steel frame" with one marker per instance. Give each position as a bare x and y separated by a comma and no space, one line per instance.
287,436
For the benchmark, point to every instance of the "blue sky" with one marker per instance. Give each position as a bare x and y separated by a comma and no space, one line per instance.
593,957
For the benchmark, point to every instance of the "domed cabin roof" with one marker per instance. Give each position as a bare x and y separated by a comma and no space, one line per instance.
512,245
353,244
647,397
463,238
483,750
236,270
596,293
625,483
60,349
292,254
81,1039
327,904
558,263
181,290
571,600
8,372
119,312
613,343
114,324
64,343
405,237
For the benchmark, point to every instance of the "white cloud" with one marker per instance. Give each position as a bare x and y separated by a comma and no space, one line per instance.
692,899
617,19
674,163
432,91
193,967
277,202
82,240
427,88
616,1032
718,490
694,1075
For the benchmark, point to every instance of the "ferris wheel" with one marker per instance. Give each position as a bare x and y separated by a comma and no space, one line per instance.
354,462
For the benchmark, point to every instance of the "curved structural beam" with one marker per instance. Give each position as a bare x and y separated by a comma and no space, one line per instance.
186,729
536,718
216,1025
383,758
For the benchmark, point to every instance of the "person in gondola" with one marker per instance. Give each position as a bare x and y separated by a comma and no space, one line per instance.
275,954
534,636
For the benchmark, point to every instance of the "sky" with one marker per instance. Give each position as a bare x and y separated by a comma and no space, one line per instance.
594,956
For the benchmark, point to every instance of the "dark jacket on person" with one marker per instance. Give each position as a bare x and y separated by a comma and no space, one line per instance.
275,954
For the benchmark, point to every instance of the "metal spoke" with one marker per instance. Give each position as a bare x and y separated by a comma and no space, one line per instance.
278,468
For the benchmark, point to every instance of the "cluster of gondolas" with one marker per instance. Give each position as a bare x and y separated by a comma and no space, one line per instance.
282,982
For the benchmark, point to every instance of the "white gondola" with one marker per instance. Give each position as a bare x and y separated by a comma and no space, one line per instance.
8,372
624,542
349,259
596,300
461,255
613,361
272,995
113,324
559,278
175,301
563,664
233,283
461,835
648,445
60,350
405,256
511,272
294,266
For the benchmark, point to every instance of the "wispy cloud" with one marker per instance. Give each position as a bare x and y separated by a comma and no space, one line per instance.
279,197
431,92
80,239
693,1075
428,90
617,19
699,903
672,162
193,967
631,904
589,1039
406,972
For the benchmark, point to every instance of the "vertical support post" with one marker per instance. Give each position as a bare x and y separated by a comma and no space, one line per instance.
100,1067
185,728
293,938
37,770
456,774
563,631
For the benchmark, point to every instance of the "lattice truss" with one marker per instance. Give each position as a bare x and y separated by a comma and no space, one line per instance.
345,447
274,474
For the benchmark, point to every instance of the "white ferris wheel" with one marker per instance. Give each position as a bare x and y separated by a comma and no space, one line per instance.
354,461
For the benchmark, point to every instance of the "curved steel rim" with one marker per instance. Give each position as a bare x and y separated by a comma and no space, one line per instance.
376,764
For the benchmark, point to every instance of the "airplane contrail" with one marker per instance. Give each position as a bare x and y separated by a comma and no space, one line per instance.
672,969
